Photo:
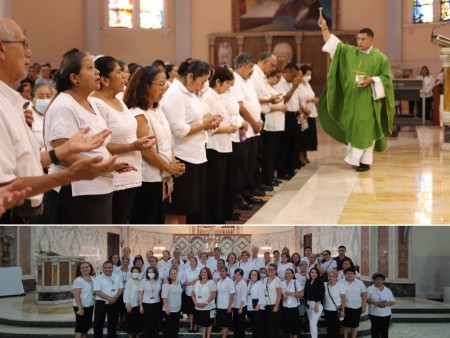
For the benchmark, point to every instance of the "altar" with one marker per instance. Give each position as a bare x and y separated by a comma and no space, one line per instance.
55,275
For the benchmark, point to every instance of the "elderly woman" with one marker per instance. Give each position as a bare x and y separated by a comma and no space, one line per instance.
380,300
123,142
82,202
334,304
219,146
41,99
189,119
144,92
83,299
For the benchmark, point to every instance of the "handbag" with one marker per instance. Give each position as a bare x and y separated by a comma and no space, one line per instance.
337,307
301,306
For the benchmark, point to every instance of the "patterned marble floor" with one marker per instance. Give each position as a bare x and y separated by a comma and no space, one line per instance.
408,184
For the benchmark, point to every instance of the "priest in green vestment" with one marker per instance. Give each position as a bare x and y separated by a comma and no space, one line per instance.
357,105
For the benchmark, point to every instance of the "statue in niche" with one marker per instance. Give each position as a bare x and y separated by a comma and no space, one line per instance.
284,53
225,53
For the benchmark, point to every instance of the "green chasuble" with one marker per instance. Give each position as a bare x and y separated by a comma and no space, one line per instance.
349,113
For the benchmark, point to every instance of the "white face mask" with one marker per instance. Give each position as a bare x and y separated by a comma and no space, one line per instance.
151,275
307,78
41,105
135,275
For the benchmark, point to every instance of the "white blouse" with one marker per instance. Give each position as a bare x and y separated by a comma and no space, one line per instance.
232,107
202,293
123,127
173,293
240,295
271,290
217,106
292,286
255,291
65,117
183,109
158,126
225,287
131,293
86,293
281,269
152,291
274,119
190,276
307,93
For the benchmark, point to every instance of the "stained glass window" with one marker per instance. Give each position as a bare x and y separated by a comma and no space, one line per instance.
423,11
146,14
445,10
151,14
121,13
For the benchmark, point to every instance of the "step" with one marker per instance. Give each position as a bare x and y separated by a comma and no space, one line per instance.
7,331
421,318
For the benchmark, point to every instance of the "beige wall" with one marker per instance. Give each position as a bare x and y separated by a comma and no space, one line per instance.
64,29
53,27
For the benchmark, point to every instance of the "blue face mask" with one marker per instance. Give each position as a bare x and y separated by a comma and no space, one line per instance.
263,275
41,105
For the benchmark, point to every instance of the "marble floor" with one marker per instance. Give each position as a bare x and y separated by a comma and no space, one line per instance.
408,184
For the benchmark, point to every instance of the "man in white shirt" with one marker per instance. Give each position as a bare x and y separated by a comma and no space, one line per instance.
308,252
211,263
355,304
288,86
107,288
245,152
21,157
177,255
257,261
152,261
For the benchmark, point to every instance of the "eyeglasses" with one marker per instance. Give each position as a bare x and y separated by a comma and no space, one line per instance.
24,42
161,85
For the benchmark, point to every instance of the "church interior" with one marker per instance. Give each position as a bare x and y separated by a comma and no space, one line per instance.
392,219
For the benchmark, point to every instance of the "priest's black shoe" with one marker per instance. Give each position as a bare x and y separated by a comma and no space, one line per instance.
362,167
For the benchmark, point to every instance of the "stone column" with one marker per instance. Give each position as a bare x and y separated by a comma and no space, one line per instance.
445,107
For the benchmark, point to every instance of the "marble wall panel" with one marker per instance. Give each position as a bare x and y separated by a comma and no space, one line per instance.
403,252
87,241
383,250
276,241
143,240
365,252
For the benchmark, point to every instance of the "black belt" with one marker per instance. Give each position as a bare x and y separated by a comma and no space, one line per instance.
26,210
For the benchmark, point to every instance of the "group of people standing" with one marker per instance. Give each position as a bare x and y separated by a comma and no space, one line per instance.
275,292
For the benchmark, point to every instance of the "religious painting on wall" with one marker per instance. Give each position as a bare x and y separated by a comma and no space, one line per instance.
281,15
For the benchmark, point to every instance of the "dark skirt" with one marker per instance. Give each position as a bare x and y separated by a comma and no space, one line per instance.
308,138
291,321
352,317
203,318
149,208
83,323
188,305
224,318
133,321
189,190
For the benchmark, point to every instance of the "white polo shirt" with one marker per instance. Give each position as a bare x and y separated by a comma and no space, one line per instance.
190,276
274,119
284,87
183,109
65,117
270,290
335,291
202,293
225,288
292,286
18,147
259,81
247,267
172,292
158,126
353,292
109,285
258,262
243,91
378,295
255,291
151,291
232,107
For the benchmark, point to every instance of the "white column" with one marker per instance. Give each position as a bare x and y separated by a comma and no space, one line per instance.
394,27
5,8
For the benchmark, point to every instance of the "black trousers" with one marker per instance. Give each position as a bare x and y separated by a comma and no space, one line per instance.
379,326
256,320
230,186
271,322
288,153
239,322
63,208
252,161
270,152
101,311
239,159
152,315
215,186
148,207
333,324
172,325
122,204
